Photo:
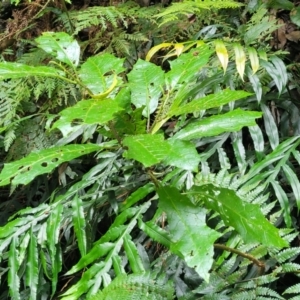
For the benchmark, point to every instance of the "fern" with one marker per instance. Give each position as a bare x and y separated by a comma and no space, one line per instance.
176,10
136,286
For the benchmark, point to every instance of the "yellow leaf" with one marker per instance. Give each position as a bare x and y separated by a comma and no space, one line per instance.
222,54
108,91
156,48
240,59
253,59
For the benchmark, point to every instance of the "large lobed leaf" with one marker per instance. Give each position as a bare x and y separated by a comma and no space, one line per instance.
191,238
245,217
26,169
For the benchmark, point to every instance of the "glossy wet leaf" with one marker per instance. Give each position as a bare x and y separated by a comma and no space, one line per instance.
146,81
98,72
215,125
44,161
271,127
60,45
246,218
146,148
13,278
183,155
79,223
191,238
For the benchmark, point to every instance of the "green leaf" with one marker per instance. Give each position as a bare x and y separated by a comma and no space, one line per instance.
13,264
15,70
32,269
53,229
187,66
277,71
98,251
271,127
155,232
146,148
222,54
88,112
293,180
98,72
79,224
295,15
146,82
26,169
215,125
132,255
210,101
283,201
246,218
137,195
183,155
192,240
60,45
280,4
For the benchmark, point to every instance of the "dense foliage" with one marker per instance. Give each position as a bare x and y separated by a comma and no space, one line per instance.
150,150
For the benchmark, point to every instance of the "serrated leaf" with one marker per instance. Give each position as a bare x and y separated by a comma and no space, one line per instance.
53,229
98,72
44,161
60,45
222,54
245,217
277,71
146,81
132,255
210,101
79,224
95,253
228,122
192,240
293,180
137,195
240,59
283,201
13,279
147,148
32,269
271,127
15,70
182,155
156,233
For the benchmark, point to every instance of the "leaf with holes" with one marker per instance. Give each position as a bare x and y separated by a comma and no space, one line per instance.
88,112
61,45
245,217
98,72
26,169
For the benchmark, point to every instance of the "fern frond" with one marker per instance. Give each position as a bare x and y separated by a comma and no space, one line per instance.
98,15
177,10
